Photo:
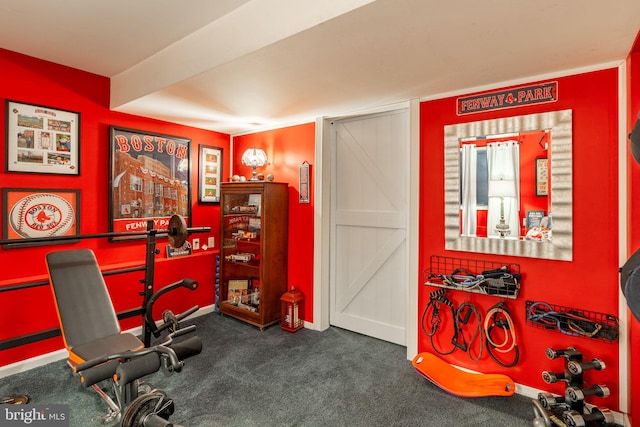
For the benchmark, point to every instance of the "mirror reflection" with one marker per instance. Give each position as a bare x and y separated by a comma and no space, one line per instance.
504,186
505,180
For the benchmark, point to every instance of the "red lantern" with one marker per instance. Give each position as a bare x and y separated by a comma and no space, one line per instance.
292,308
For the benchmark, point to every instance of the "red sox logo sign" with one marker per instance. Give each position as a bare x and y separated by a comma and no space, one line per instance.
41,215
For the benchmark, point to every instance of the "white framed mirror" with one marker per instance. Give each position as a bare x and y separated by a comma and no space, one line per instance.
559,154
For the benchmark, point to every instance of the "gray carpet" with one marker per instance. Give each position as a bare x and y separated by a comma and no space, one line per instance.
248,377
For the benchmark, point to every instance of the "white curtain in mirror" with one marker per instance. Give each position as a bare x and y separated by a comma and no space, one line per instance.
503,159
469,209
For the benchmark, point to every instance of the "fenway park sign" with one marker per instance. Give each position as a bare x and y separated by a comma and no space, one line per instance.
515,97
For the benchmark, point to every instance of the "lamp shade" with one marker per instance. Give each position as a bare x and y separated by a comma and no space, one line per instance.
502,188
254,157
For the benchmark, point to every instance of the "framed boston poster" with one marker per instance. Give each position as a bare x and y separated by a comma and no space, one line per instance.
42,139
149,180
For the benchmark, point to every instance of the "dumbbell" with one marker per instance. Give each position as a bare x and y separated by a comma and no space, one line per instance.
553,354
549,401
551,378
576,368
597,415
577,395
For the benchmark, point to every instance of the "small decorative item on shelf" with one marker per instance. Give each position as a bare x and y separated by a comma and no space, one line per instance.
239,257
254,157
292,305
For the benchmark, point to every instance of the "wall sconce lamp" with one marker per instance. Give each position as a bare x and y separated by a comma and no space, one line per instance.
502,188
254,157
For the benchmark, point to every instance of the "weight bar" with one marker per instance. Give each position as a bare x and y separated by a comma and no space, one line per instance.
177,232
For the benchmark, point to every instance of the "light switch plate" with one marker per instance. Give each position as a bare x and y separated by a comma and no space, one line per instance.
196,244
211,242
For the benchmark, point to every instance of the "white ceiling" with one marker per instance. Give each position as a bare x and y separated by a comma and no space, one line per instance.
236,66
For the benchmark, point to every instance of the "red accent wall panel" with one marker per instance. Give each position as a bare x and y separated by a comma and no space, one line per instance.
633,100
287,148
29,311
590,281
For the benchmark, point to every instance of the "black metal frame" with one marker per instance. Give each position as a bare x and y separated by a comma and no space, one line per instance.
148,282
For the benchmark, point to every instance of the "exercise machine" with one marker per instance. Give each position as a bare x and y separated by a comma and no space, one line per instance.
105,359
99,351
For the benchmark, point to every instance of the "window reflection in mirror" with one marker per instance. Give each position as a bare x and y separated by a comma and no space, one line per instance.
503,193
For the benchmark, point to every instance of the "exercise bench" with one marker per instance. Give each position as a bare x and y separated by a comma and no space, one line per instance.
98,349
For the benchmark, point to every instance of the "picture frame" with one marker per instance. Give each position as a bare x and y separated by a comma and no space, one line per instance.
29,213
542,176
209,174
41,139
304,179
149,180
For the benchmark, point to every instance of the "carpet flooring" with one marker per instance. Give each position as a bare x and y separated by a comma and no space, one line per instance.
248,377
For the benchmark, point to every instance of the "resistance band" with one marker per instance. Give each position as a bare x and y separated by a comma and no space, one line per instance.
498,317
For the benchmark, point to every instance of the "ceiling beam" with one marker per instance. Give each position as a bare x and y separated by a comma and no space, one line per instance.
247,29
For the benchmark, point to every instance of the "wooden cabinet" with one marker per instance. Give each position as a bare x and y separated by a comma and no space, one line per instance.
253,265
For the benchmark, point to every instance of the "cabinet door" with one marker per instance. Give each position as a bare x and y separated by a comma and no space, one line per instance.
241,253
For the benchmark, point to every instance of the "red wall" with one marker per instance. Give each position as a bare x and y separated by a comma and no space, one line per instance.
590,281
28,311
633,100
286,149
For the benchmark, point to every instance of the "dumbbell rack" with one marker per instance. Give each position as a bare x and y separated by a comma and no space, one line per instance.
570,410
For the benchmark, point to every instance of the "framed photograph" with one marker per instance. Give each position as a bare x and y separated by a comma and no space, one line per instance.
149,180
209,174
36,213
41,139
542,177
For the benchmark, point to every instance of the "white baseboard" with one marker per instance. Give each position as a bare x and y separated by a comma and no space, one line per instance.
54,356
34,362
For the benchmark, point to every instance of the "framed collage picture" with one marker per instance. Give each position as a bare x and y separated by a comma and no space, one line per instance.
209,174
42,139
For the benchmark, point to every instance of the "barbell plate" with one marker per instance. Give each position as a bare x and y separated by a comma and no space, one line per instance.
177,231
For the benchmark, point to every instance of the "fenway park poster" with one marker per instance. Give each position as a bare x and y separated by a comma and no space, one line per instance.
149,180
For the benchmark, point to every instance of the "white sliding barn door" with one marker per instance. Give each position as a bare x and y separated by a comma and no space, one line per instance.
369,216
